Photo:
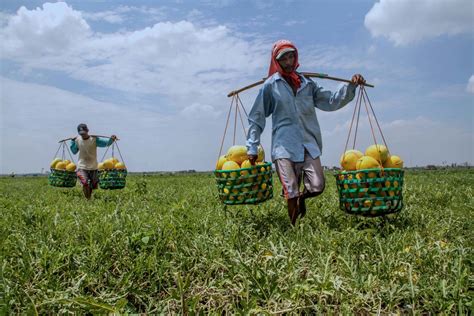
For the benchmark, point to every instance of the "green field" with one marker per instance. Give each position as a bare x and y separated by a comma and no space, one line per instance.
166,245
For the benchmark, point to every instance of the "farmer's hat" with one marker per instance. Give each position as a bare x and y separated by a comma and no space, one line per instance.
82,129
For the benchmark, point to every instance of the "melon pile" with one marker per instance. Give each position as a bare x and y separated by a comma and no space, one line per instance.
66,165
236,158
111,164
374,190
240,182
376,157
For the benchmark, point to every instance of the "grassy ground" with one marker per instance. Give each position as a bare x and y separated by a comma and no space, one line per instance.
166,245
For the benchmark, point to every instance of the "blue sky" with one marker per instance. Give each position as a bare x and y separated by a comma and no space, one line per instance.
157,73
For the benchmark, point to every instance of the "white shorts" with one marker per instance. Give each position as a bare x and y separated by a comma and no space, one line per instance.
292,173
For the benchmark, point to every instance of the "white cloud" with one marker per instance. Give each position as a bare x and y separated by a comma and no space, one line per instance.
470,85
200,111
34,117
167,58
121,13
4,18
53,29
406,21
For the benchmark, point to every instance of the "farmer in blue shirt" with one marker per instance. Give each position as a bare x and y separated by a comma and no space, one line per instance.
87,165
291,99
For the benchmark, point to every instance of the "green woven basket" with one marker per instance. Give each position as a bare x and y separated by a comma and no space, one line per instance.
62,178
112,179
370,192
245,186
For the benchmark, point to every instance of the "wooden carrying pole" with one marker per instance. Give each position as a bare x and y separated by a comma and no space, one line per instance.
306,74
71,138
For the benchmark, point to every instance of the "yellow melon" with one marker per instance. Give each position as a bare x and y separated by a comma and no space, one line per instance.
261,154
101,166
367,162
120,166
246,164
237,154
54,163
220,162
67,162
71,166
61,165
393,162
231,165
349,159
108,164
378,152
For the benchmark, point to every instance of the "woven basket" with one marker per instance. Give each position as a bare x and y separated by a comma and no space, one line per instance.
112,179
370,192
245,186
62,178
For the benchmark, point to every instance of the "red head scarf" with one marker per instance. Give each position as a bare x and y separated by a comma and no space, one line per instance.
292,78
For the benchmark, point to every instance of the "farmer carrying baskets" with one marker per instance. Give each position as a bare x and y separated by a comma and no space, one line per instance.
291,99
87,165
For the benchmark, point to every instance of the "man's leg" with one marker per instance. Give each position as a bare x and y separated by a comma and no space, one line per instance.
94,179
87,191
289,181
313,179
83,177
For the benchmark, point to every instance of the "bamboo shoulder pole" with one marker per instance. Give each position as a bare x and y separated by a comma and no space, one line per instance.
71,138
306,74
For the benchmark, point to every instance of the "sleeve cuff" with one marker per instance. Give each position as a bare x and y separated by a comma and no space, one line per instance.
252,150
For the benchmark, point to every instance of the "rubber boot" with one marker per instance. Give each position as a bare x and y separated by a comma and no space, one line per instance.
293,210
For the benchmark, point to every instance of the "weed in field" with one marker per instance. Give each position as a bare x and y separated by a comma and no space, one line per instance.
165,244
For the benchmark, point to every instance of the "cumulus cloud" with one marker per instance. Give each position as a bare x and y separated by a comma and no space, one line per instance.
407,21
470,85
167,58
43,31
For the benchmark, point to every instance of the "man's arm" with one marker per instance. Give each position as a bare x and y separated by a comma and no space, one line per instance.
73,146
328,101
261,109
103,142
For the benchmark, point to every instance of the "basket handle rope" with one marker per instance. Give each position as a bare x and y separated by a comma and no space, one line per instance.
70,154
120,154
108,147
63,146
375,117
57,151
113,145
362,96
235,104
357,107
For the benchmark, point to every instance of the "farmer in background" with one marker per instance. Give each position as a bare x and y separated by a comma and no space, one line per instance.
291,99
87,165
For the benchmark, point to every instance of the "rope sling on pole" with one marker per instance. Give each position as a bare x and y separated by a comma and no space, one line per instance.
368,192
63,176
242,185
111,176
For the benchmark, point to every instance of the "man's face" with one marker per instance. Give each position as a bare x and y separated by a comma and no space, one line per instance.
287,62
84,134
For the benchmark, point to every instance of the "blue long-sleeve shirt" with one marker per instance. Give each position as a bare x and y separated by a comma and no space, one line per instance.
295,126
